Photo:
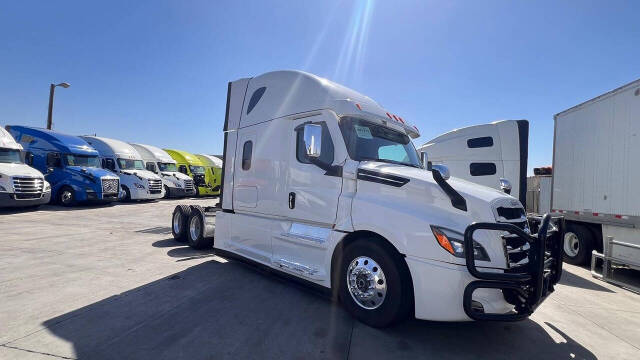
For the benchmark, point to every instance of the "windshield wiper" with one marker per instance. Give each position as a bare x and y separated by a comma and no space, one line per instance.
391,162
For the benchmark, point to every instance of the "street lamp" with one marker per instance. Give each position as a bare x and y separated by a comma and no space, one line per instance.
51,91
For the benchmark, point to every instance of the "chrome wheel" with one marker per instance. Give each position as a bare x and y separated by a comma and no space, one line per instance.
177,221
571,244
194,228
66,197
366,282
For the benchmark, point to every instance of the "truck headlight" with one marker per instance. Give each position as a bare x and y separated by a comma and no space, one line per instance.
453,243
139,186
47,187
3,189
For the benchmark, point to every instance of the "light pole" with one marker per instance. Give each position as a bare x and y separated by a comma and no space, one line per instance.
52,89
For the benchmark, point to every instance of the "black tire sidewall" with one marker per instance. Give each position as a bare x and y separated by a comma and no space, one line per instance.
73,196
585,239
198,242
185,211
391,309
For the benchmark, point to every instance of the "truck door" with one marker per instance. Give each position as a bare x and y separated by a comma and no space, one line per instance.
310,203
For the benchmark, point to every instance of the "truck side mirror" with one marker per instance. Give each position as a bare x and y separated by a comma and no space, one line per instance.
505,185
313,140
424,160
443,170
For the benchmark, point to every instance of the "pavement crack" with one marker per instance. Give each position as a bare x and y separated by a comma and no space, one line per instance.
37,352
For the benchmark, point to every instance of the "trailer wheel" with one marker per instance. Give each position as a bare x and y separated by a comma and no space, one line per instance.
195,232
66,196
179,222
577,244
373,284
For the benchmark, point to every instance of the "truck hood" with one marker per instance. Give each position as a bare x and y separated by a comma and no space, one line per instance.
145,174
482,201
176,175
91,172
18,170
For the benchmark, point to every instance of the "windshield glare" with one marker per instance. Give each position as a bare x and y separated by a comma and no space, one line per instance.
127,164
168,167
10,156
196,169
366,140
81,160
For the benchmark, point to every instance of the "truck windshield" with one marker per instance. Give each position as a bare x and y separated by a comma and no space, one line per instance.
366,140
11,156
196,169
128,164
168,167
81,160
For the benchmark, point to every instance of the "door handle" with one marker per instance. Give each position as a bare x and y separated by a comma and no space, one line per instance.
292,200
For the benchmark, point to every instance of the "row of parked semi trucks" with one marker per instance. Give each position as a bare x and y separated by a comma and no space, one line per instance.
38,166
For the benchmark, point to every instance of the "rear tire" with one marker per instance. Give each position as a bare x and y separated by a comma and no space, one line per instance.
196,231
577,244
179,222
374,284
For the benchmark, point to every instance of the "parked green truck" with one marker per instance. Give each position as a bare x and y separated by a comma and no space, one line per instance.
206,182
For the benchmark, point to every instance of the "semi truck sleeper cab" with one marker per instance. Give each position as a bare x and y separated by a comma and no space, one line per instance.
322,183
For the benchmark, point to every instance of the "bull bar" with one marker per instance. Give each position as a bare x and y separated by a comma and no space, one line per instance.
526,286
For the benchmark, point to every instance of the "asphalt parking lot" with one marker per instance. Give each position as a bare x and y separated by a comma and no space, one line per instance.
110,283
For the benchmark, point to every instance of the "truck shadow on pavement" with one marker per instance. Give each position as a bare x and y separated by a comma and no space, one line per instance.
223,309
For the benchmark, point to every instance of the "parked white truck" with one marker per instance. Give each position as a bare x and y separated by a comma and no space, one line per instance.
121,158
323,184
20,184
596,176
156,160
486,154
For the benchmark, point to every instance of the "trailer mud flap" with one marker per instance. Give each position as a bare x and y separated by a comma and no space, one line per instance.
526,286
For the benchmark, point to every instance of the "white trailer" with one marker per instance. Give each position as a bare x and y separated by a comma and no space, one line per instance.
486,154
137,182
156,160
596,177
324,185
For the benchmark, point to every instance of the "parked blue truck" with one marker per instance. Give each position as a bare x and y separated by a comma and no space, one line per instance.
70,165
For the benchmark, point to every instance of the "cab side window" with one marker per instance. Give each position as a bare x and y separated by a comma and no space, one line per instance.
183,169
326,152
28,158
151,167
247,149
109,164
53,159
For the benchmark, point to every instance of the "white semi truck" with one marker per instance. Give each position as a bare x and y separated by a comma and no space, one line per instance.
596,176
137,182
156,160
20,184
324,185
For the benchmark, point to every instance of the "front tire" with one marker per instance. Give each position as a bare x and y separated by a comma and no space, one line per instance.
179,222
66,196
167,194
374,284
577,244
127,194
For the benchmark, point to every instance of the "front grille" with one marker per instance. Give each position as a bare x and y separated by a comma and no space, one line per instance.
188,185
516,249
199,180
155,186
110,186
28,188
510,213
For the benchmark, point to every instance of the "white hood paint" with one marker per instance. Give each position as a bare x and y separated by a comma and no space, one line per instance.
19,170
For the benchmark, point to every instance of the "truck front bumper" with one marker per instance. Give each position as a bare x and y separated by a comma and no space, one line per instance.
9,200
525,286
451,292
175,192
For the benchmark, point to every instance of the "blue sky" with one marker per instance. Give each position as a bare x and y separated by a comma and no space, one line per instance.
156,72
